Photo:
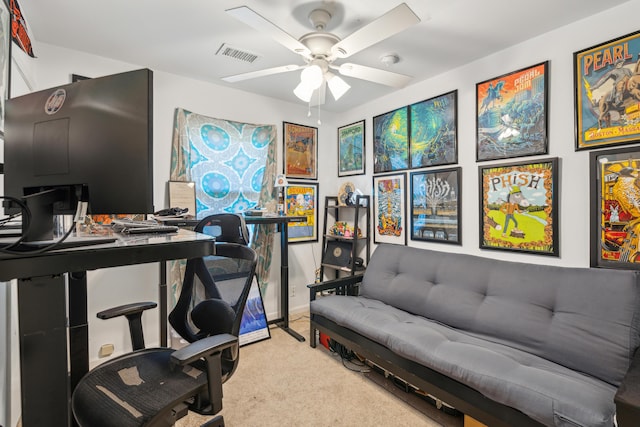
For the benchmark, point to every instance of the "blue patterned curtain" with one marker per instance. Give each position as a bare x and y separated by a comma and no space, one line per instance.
233,165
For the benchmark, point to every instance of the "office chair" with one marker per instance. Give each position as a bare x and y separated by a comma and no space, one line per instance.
225,227
156,386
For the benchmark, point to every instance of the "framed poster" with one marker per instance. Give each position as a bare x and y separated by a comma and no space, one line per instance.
253,326
301,199
607,93
434,131
519,207
391,141
435,205
511,114
300,151
615,211
351,149
389,209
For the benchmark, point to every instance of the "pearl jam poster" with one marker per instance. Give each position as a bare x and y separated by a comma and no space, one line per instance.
511,119
519,207
607,93
615,208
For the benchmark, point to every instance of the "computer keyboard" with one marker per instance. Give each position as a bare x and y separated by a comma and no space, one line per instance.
141,227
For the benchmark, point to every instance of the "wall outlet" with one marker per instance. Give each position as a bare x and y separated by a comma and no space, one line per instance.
292,290
106,350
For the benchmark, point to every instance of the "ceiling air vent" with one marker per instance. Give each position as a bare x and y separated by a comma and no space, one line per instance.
235,53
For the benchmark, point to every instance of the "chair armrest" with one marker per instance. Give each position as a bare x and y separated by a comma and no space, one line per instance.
124,310
133,313
627,398
345,285
211,349
202,348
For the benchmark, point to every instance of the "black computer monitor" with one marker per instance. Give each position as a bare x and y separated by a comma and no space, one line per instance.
90,140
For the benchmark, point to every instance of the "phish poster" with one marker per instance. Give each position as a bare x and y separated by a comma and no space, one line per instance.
519,207
607,88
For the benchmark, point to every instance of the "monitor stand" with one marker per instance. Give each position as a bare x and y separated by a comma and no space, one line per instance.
38,231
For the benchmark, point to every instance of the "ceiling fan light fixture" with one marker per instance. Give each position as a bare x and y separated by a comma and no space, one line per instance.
337,86
312,76
303,91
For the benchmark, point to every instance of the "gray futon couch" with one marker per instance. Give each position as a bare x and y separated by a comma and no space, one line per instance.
510,344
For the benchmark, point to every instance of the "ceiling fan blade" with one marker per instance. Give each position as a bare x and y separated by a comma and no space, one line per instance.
396,20
256,21
375,75
261,73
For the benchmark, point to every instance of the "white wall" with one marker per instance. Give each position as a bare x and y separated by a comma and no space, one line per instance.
108,287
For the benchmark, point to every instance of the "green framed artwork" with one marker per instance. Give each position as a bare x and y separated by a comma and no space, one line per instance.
519,207
351,149
391,141
607,93
434,131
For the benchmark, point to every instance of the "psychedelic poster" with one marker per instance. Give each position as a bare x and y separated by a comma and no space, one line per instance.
519,207
434,132
607,89
615,219
389,209
512,114
300,151
391,141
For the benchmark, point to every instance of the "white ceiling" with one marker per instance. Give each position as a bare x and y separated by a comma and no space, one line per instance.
183,36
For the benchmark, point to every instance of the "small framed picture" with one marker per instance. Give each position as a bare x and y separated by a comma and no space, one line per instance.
519,207
391,141
300,151
301,199
435,205
615,212
389,209
351,149
253,326
511,114
607,93
434,131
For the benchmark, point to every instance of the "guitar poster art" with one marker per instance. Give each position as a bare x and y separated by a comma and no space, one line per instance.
616,223
519,207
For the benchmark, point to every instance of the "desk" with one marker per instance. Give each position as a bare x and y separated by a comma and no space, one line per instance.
282,225
51,364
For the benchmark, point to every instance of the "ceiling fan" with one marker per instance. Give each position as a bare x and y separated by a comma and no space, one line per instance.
320,49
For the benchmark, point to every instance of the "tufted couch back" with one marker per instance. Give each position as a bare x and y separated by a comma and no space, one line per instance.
585,319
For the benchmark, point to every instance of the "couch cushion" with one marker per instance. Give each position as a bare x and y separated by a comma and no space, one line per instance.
584,319
547,392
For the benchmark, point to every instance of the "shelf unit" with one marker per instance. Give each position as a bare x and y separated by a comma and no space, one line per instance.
351,214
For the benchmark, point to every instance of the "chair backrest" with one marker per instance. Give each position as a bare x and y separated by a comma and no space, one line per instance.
225,227
214,292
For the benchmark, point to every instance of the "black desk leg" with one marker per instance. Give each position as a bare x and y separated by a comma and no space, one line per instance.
163,301
284,278
42,306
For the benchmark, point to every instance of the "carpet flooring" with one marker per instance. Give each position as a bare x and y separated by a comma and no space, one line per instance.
281,382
